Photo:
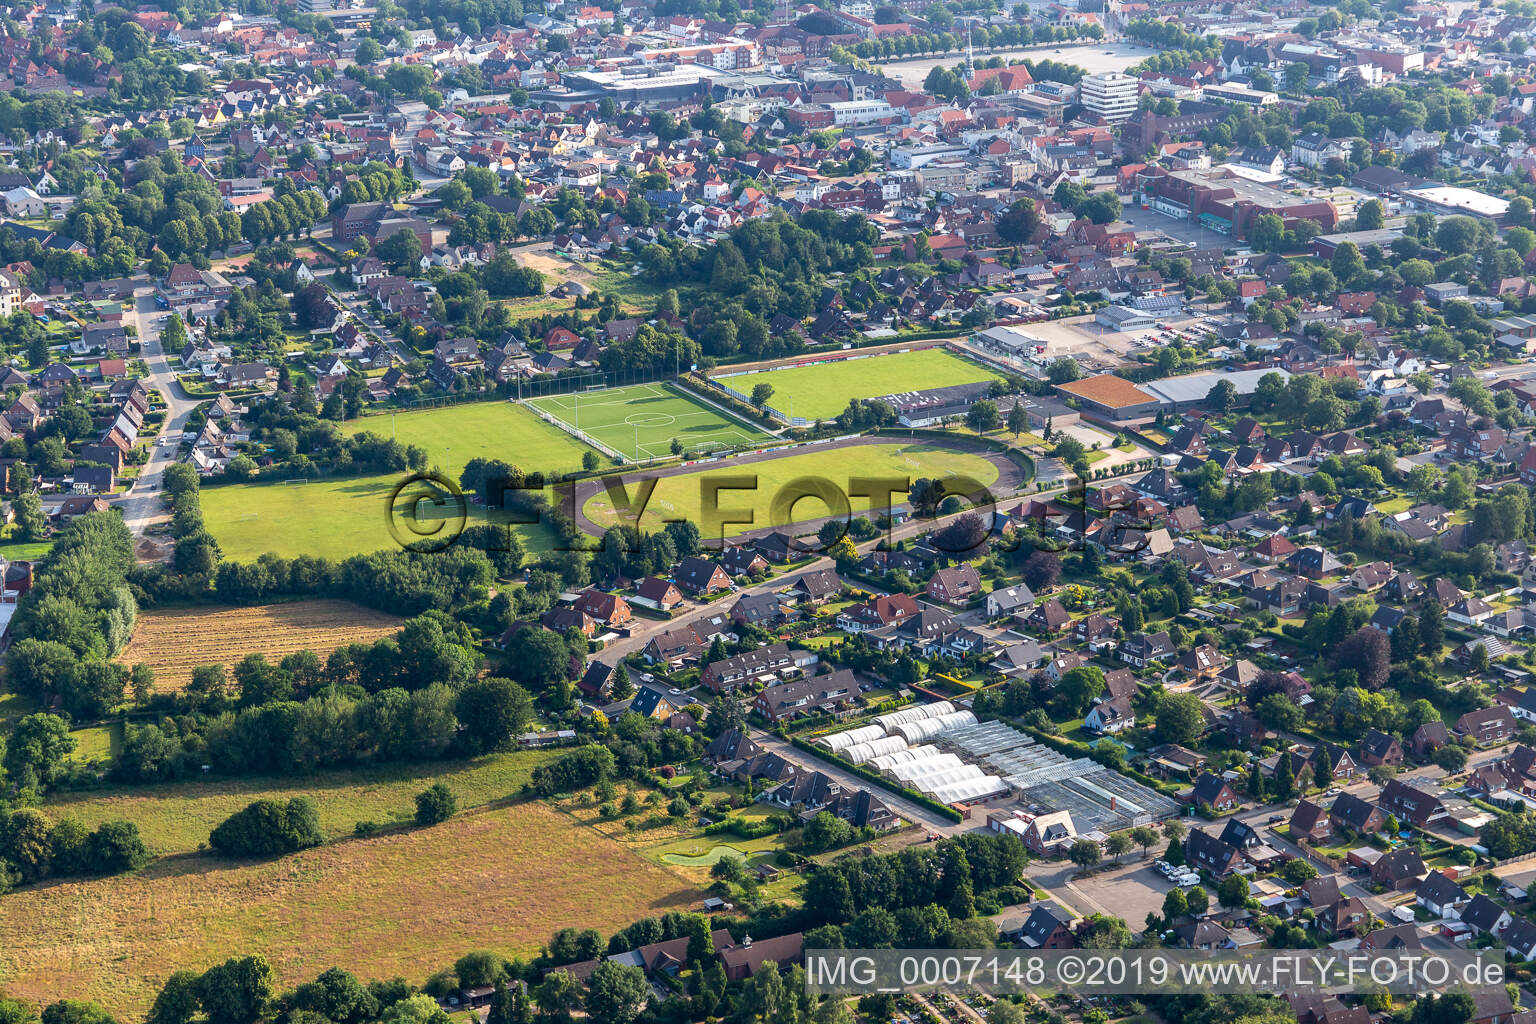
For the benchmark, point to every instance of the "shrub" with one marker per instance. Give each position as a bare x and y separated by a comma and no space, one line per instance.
268,828
435,804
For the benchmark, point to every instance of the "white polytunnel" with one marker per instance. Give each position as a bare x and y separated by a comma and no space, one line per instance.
861,752
838,741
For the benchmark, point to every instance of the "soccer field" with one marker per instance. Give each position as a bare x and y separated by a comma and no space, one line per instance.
641,421
822,390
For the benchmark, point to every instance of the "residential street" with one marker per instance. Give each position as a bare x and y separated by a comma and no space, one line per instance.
142,503
912,812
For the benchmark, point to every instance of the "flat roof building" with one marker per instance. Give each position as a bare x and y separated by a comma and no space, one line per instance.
1229,204
1124,319
1109,397
1110,95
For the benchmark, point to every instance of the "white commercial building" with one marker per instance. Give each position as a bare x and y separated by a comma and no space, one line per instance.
1111,95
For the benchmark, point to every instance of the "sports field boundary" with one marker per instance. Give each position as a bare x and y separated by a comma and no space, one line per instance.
661,424
578,434
686,385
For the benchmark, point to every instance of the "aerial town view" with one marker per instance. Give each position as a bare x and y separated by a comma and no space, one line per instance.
596,510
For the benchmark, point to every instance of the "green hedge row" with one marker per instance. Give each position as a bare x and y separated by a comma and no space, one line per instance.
943,810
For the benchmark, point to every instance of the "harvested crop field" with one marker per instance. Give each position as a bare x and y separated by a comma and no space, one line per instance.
402,904
175,641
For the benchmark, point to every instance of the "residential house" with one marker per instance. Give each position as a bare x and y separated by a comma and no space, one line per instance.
1441,896
604,607
1408,803
829,694
1212,791
1487,727
1398,870
1356,815
699,576
1207,853
955,585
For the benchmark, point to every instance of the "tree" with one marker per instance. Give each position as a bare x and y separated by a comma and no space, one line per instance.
1085,853
267,828
1041,570
493,712
177,1001
401,251
1222,397
1432,628
31,522
1180,718
1078,688
236,991
1174,904
1233,891
982,416
1019,223
616,992
1144,837
761,393
1297,871
1370,215
36,750
435,804
1368,653
1118,845
1018,419
1197,900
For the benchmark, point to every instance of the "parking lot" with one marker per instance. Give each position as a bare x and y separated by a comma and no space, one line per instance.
1130,891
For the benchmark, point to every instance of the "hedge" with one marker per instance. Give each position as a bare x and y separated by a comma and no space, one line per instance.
943,810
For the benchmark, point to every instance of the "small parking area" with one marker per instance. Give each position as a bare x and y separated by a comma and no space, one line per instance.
1131,891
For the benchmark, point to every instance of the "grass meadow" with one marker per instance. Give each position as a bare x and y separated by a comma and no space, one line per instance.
492,430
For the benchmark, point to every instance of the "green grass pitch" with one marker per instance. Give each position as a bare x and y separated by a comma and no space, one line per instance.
822,390
641,421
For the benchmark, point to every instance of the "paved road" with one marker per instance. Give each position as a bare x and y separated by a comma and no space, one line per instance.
142,503
356,303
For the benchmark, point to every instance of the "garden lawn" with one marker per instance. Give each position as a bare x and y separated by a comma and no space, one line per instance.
493,430
332,519
680,496
822,390
402,904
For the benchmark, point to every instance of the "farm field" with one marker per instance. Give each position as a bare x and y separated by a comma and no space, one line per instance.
822,390
679,496
492,430
332,519
176,817
642,420
401,904
175,641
